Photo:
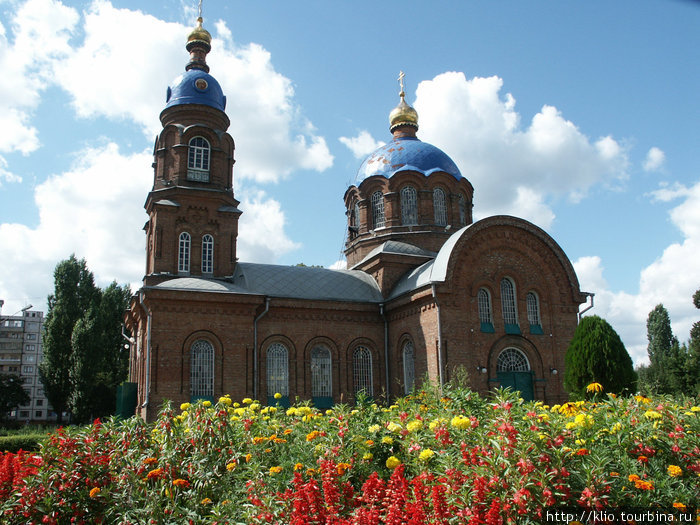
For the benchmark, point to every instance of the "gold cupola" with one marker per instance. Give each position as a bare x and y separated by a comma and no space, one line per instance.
403,114
198,45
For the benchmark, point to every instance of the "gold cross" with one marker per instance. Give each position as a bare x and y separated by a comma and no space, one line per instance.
200,8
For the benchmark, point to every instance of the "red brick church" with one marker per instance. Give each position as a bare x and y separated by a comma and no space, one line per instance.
427,290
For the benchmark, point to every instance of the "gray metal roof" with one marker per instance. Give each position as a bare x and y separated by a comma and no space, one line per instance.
398,247
294,282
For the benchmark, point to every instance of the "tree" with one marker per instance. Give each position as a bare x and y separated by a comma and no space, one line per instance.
596,354
74,294
12,394
663,350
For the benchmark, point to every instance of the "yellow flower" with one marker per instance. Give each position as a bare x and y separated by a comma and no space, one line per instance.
278,395
231,465
414,425
298,466
95,492
426,454
206,501
206,403
247,401
435,423
695,409
594,388
275,470
461,422
368,456
225,400
642,399
185,406
248,457
374,429
342,467
652,414
392,462
674,471
387,440
394,427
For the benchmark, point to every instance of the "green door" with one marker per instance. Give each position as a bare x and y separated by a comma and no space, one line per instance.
519,381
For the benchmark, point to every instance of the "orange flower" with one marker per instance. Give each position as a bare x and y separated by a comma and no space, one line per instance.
312,435
150,461
206,501
583,452
342,467
182,483
231,465
275,470
155,473
644,485
298,466
633,477
679,506
94,492
674,471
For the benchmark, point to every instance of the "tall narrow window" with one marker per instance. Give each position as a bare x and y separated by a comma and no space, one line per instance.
183,258
378,210
485,317
277,370
409,206
533,313
462,210
321,372
202,370
409,367
198,160
510,314
207,254
440,207
362,370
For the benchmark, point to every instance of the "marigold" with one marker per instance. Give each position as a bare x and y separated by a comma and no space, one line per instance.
155,473
644,485
461,422
206,501
387,440
652,414
342,468
298,466
206,403
182,483
594,388
247,401
95,492
225,400
373,429
185,406
312,435
414,425
231,465
277,395
426,454
392,462
275,470
674,471
368,456
680,506
150,461
632,478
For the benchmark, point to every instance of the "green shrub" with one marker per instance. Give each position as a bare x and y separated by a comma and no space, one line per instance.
29,442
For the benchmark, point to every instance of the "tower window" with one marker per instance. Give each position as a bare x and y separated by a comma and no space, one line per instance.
485,318
462,210
207,254
198,160
362,370
510,314
533,313
409,206
440,207
378,220
409,367
183,258
202,370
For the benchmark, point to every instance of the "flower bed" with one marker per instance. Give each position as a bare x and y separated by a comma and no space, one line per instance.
459,458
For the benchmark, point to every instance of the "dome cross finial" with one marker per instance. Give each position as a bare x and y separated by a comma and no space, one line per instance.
200,8
400,79
403,119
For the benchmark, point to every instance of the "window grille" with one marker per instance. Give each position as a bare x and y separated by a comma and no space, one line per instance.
533,309
362,370
409,367
512,360
356,211
321,372
409,206
198,160
462,210
484,306
510,316
207,254
378,220
277,370
440,207
183,260
202,369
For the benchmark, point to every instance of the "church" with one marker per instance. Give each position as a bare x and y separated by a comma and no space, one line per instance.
426,292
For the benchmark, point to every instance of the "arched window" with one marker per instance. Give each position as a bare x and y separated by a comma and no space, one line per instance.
198,160
201,370
183,257
362,370
277,370
512,360
510,314
440,207
462,210
321,372
485,317
409,367
533,313
409,206
207,254
378,210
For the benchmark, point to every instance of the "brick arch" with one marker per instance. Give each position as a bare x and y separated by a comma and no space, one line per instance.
526,346
291,360
187,343
376,364
335,363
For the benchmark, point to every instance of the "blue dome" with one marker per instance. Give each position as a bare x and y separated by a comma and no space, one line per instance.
404,154
196,87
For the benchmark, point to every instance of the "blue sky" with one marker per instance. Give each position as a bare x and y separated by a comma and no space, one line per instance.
579,116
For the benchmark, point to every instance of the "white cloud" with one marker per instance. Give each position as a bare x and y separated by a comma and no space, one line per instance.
6,175
362,145
654,160
261,235
480,129
115,75
672,279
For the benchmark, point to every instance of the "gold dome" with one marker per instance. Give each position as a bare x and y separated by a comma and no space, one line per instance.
403,115
199,34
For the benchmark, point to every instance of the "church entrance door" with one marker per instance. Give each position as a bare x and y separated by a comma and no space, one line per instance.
514,372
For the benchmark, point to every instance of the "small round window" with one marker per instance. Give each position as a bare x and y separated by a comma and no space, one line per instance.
201,84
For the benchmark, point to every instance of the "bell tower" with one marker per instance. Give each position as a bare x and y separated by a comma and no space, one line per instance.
192,213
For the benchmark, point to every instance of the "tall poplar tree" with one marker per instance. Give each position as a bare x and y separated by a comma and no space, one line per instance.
74,294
